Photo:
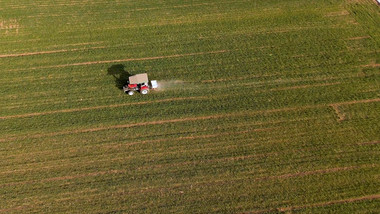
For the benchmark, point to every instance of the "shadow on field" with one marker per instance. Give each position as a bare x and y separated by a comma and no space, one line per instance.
120,74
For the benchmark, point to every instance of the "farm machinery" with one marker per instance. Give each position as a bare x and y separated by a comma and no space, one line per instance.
139,82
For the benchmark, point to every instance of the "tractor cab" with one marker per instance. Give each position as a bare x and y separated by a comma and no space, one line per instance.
139,82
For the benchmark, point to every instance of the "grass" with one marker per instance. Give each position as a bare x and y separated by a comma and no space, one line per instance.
276,109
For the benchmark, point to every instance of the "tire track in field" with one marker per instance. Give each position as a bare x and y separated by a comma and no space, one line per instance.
83,161
188,119
36,166
220,181
189,137
70,162
337,13
359,38
19,208
151,168
133,59
321,204
372,65
341,115
267,82
304,86
226,180
158,122
49,52
205,81
186,5
369,143
103,158
101,107
69,177
109,172
263,178
217,160
357,101
132,143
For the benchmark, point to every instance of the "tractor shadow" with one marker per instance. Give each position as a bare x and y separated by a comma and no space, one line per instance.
120,74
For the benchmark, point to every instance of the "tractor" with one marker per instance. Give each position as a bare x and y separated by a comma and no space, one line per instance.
139,82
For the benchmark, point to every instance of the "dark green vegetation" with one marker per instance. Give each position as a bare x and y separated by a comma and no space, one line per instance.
277,111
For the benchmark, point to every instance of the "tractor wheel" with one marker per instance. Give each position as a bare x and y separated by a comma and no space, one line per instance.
144,91
131,93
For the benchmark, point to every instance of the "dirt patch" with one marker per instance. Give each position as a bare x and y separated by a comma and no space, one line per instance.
341,115
10,26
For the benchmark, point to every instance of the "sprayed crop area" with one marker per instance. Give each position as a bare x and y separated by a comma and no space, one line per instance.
263,107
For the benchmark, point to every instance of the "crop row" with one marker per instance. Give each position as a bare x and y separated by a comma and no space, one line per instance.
269,106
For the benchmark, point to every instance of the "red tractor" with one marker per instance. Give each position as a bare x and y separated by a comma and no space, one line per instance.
139,82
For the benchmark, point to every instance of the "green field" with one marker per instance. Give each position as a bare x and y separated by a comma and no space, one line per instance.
270,106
